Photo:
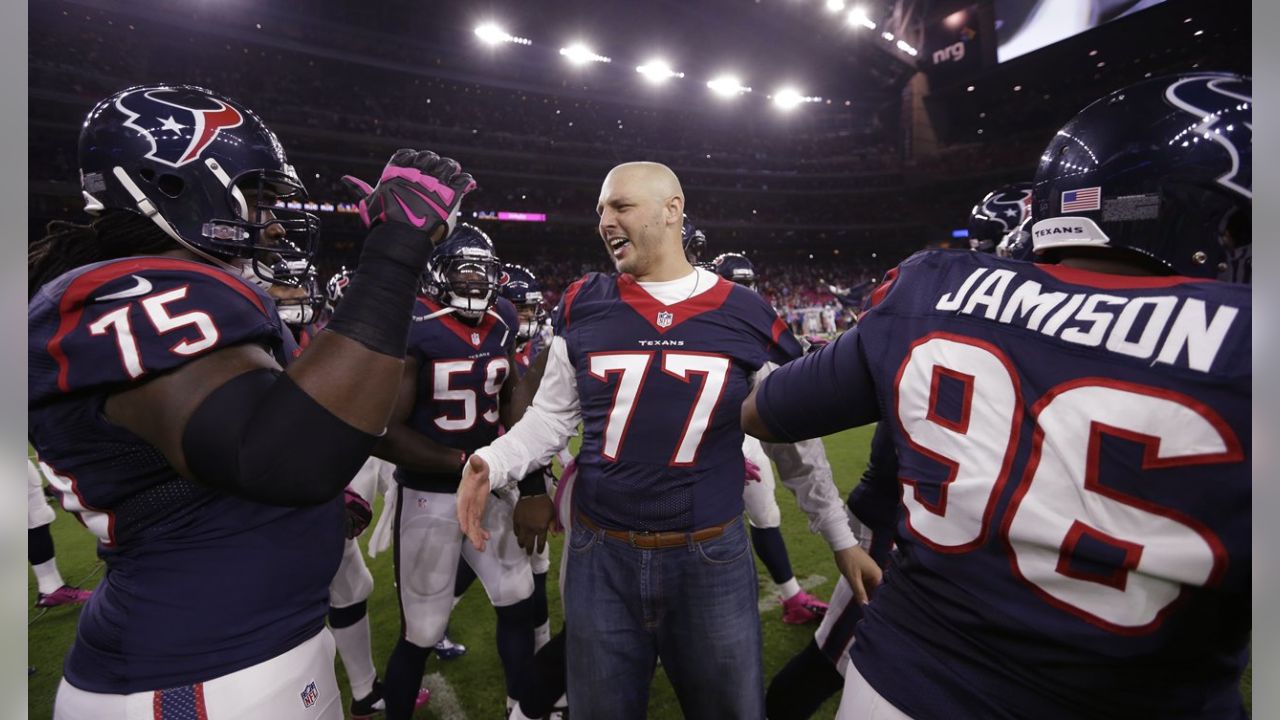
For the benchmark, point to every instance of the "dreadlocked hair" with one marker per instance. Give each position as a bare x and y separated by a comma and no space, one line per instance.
114,234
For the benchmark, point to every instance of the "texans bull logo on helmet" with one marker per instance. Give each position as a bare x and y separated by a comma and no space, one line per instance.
1009,207
179,133
1209,99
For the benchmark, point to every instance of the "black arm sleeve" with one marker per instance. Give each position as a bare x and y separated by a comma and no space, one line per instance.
535,483
261,437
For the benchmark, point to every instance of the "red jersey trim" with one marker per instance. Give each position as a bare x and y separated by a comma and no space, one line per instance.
569,294
652,311
71,306
879,293
461,329
1109,281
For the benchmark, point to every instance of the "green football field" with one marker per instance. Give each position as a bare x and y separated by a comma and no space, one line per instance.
472,686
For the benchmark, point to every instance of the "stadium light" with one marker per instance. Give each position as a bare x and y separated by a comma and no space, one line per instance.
580,54
904,47
657,71
835,6
727,86
788,98
888,36
492,34
858,18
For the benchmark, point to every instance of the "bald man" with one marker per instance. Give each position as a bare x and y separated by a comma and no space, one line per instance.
654,362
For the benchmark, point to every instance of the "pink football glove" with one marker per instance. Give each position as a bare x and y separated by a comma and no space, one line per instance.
752,471
417,188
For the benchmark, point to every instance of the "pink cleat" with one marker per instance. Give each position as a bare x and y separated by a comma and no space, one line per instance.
373,704
802,608
65,595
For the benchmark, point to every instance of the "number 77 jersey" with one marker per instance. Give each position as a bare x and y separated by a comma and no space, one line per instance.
661,390
1075,489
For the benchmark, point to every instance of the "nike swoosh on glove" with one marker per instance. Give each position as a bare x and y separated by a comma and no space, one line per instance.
359,514
417,188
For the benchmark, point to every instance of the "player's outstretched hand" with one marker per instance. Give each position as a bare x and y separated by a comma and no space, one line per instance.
752,471
473,493
860,570
532,521
417,188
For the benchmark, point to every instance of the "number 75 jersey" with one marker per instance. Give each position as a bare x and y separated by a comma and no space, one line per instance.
1075,487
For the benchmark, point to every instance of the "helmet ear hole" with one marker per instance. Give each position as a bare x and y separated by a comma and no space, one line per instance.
148,174
170,185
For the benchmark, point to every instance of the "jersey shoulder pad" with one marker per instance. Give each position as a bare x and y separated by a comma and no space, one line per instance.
748,305
125,320
588,284
920,265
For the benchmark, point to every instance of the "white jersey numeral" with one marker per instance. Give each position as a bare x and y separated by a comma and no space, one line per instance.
442,390
1064,505
714,369
117,322
632,368
1117,561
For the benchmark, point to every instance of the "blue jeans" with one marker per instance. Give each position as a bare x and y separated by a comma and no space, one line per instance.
695,606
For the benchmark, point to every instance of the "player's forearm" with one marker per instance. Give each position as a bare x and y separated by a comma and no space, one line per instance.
324,371
523,392
528,445
804,470
413,451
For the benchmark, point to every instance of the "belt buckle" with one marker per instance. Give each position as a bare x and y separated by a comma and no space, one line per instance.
632,536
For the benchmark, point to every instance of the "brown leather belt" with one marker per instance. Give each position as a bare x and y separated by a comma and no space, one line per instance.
652,540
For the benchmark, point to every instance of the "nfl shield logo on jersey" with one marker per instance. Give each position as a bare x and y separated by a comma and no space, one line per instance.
665,318
475,338
310,694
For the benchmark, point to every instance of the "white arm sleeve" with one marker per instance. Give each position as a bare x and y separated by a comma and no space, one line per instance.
545,428
804,469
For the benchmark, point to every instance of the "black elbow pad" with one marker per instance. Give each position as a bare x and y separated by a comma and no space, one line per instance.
261,437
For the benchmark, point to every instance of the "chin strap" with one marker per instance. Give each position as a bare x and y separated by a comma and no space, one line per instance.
506,329
446,310
149,210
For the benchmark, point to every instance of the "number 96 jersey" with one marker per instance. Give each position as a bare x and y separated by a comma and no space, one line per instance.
1075,530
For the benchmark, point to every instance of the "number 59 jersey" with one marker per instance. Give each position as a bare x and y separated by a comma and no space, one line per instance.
461,370
1075,530
193,584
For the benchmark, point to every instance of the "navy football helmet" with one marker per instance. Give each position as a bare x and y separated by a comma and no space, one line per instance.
694,240
999,213
204,168
519,285
463,271
735,267
1161,171
337,285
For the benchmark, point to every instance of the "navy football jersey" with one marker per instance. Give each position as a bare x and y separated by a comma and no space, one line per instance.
1073,451
660,387
461,369
198,583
